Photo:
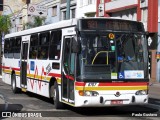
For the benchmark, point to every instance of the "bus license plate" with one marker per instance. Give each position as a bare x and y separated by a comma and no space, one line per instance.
116,102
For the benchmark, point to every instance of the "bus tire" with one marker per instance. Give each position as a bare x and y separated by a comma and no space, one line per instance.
13,84
55,93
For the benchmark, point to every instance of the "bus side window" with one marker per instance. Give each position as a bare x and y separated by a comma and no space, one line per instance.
17,48
43,45
33,46
6,48
11,46
55,45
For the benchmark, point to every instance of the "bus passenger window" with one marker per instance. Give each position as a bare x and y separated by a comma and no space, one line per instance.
55,45
17,48
43,45
11,46
6,48
33,46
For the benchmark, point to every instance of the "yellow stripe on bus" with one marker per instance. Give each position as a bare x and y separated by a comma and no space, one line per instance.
7,71
113,88
17,73
35,76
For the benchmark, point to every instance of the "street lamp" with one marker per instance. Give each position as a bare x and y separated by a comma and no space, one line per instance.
9,8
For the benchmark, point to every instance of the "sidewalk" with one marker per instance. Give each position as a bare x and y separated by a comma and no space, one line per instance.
154,90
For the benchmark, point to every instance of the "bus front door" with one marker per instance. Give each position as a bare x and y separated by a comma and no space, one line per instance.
23,61
68,73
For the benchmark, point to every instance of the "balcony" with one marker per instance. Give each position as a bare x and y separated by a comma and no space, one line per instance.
119,5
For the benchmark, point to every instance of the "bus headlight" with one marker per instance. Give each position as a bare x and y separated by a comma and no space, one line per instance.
88,93
141,92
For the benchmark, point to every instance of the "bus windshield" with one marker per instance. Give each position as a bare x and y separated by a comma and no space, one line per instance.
105,56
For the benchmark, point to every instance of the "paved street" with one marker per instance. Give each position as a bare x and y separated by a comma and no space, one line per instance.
43,107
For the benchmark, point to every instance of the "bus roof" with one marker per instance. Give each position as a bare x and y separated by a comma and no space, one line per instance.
61,24
52,26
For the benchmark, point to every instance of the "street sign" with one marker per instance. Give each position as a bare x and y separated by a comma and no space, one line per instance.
37,10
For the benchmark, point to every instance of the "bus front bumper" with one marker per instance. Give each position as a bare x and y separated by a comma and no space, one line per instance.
110,100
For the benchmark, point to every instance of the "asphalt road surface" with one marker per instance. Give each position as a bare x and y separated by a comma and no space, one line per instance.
28,105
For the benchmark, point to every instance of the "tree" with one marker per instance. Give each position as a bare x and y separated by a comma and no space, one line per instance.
38,21
5,25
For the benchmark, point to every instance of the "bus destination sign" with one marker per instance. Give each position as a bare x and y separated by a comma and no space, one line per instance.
110,24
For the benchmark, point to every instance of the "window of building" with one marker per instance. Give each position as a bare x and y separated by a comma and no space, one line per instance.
73,13
81,3
63,1
33,46
54,11
101,1
90,2
64,15
43,45
55,45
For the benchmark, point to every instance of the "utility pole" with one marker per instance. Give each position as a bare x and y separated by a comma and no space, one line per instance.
68,10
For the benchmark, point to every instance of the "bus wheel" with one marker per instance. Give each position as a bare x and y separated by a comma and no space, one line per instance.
13,83
57,103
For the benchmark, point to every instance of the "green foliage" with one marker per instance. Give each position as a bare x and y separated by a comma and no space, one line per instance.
5,24
38,21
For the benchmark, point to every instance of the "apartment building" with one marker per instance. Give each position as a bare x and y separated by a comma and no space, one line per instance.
63,9
86,8
20,16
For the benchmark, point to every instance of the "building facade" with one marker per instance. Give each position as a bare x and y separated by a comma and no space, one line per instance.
53,12
158,48
63,9
145,11
18,10
86,8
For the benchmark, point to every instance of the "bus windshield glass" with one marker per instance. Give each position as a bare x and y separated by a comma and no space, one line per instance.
107,55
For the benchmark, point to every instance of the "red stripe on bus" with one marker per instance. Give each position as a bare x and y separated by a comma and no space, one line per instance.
4,67
80,83
53,74
124,84
17,69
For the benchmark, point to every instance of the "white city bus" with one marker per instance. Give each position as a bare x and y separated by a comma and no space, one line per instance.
80,62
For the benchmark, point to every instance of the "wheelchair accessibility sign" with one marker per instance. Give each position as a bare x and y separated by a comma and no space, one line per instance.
121,75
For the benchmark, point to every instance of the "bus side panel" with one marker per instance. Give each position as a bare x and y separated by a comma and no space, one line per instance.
31,85
10,65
